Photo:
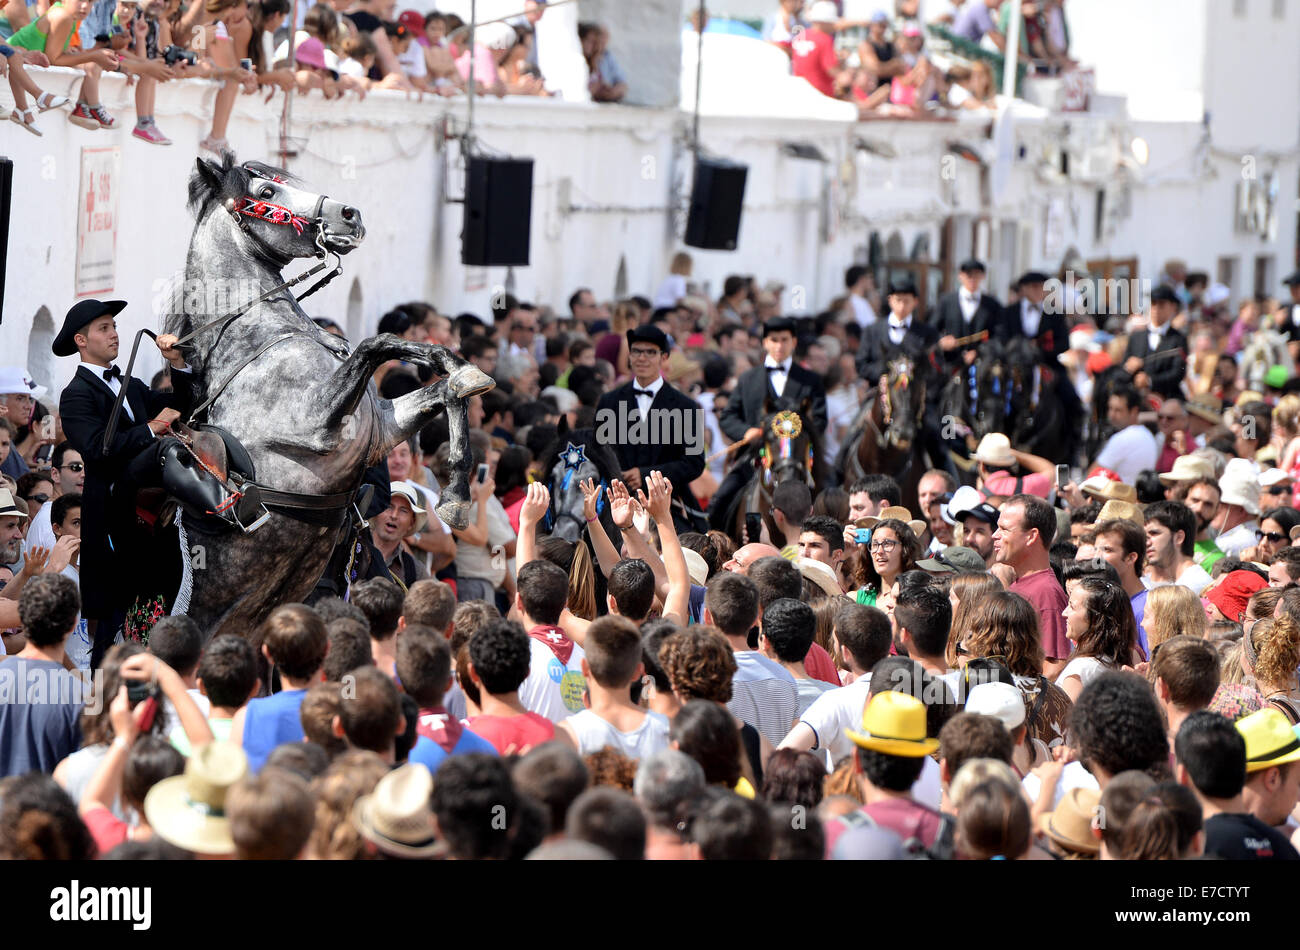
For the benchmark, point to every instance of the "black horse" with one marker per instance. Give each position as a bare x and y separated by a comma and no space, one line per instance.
1014,393
885,438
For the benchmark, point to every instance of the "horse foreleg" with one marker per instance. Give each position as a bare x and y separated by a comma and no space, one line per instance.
411,413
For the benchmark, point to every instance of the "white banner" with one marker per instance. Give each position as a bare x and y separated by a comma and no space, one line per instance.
97,220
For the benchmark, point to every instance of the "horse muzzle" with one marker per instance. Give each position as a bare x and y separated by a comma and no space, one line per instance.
341,229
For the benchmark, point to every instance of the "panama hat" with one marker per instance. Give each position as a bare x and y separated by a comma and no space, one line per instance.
1270,739
894,723
8,507
397,817
1123,510
823,11
696,566
1107,489
189,810
1188,468
1070,823
1240,485
1205,406
820,574
412,495
896,513
995,449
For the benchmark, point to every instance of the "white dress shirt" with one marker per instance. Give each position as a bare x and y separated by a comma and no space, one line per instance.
898,330
115,383
969,303
1030,318
643,403
1295,314
1155,335
780,377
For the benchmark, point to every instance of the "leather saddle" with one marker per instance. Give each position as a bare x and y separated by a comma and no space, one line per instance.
201,477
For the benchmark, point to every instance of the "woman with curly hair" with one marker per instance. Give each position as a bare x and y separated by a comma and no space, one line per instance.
1004,626
1286,437
350,776
1099,622
893,550
1271,653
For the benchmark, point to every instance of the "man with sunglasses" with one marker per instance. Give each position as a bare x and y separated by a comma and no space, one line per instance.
67,474
654,411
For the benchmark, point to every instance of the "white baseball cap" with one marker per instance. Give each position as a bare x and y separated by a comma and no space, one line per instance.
823,11
14,380
1002,701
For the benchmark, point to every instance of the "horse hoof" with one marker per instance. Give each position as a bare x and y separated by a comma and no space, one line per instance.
454,514
470,381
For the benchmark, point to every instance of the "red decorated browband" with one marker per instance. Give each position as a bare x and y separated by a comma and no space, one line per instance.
265,211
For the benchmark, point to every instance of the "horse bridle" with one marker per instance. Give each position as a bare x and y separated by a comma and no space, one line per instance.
241,209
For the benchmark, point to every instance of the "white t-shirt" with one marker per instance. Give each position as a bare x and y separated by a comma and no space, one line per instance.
836,711
350,67
670,291
595,733
553,689
1193,576
1087,668
1129,451
41,533
1233,542
863,312
412,61
1074,775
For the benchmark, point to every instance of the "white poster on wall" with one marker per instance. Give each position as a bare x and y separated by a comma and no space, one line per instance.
97,220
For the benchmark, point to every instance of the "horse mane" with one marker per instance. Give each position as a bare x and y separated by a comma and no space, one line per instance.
234,178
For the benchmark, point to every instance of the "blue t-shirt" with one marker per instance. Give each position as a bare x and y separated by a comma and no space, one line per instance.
269,722
431,755
40,710
1139,602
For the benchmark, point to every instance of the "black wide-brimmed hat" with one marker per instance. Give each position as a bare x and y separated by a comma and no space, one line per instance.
649,333
777,324
83,312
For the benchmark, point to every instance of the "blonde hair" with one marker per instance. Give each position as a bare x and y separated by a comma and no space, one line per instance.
977,772
1277,649
969,589
1172,610
1286,414
1230,671
624,317
682,264
349,777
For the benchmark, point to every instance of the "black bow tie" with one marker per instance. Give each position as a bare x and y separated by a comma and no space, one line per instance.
777,369
111,372
642,392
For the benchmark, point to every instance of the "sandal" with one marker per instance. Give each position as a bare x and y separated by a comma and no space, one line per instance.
47,101
27,119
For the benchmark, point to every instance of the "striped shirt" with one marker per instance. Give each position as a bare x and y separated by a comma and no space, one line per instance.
764,695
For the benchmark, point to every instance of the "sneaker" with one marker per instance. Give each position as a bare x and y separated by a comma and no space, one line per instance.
82,116
217,146
150,134
101,116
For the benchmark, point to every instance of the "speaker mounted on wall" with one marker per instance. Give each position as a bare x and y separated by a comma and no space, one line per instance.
498,211
717,198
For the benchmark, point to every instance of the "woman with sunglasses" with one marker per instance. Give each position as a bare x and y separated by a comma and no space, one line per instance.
1273,535
893,549
1099,622
1004,627
36,489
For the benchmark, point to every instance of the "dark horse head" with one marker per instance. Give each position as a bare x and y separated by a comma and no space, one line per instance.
572,459
900,406
791,445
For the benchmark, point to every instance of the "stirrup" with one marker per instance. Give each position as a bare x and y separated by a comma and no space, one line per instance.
249,513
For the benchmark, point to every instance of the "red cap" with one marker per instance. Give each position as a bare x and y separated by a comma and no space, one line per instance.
412,21
1231,595
1099,362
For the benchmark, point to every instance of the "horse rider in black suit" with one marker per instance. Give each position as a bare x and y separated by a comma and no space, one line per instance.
965,313
779,383
1164,373
670,438
1039,319
90,331
904,333
1291,326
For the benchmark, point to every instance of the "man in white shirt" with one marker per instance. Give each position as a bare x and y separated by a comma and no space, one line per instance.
1171,536
1132,449
858,281
67,474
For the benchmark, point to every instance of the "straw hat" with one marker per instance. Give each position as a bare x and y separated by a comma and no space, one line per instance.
1125,510
896,513
1107,489
1207,407
696,566
397,817
8,507
894,723
995,449
412,496
1240,485
189,810
1070,823
820,574
1270,739
1188,468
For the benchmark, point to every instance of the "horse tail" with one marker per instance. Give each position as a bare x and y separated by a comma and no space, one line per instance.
582,583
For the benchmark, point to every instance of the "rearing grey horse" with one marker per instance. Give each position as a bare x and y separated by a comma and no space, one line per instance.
297,400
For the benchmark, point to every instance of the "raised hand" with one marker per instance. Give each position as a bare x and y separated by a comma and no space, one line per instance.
658,502
590,498
536,502
620,504
65,549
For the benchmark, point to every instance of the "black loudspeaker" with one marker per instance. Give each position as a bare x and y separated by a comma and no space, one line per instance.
498,211
717,196
6,196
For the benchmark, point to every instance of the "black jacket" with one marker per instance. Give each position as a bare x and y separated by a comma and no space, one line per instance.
85,406
1053,336
947,320
1166,372
671,440
749,401
877,349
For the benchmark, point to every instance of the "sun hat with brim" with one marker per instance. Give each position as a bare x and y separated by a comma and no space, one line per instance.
9,507
1239,485
16,381
1003,701
76,319
894,724
823,11
412,496
1106,489
820,574
1231,594
1070,823
397,817
1270,739
696,566
995,449
189,810
1205,407
1188,468
896,513
1122,510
